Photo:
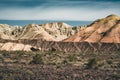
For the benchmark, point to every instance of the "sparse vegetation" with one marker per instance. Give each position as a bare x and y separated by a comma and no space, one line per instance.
117,76
15,65
92,63
37,59
72,57
109,61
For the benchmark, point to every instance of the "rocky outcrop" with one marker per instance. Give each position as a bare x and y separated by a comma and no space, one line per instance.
9,32
103,30
10,46
56,31
39,45
33,31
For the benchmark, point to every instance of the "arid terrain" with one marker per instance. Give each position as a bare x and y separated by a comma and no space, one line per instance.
59,65
58,51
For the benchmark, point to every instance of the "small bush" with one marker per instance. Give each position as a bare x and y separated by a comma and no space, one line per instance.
29,72
37,59
109,61
19,52
5,53
118,65
92,63
117,76
72,58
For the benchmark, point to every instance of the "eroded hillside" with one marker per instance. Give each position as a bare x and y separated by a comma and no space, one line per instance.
40,45
56,31
105,30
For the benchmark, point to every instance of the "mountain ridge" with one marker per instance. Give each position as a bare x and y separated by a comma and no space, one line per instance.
55,31
102,30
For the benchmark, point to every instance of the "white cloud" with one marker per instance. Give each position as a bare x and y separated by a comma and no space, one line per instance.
56,13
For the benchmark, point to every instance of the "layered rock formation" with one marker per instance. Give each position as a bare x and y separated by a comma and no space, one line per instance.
34,31
38,45
105,33
10,46
105,30
56,31
9,32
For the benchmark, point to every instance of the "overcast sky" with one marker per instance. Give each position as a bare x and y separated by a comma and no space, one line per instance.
87,10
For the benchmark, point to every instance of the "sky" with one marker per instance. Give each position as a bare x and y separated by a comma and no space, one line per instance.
78,10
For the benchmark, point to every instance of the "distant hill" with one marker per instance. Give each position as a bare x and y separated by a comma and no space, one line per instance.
62,37
55,31
105,30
